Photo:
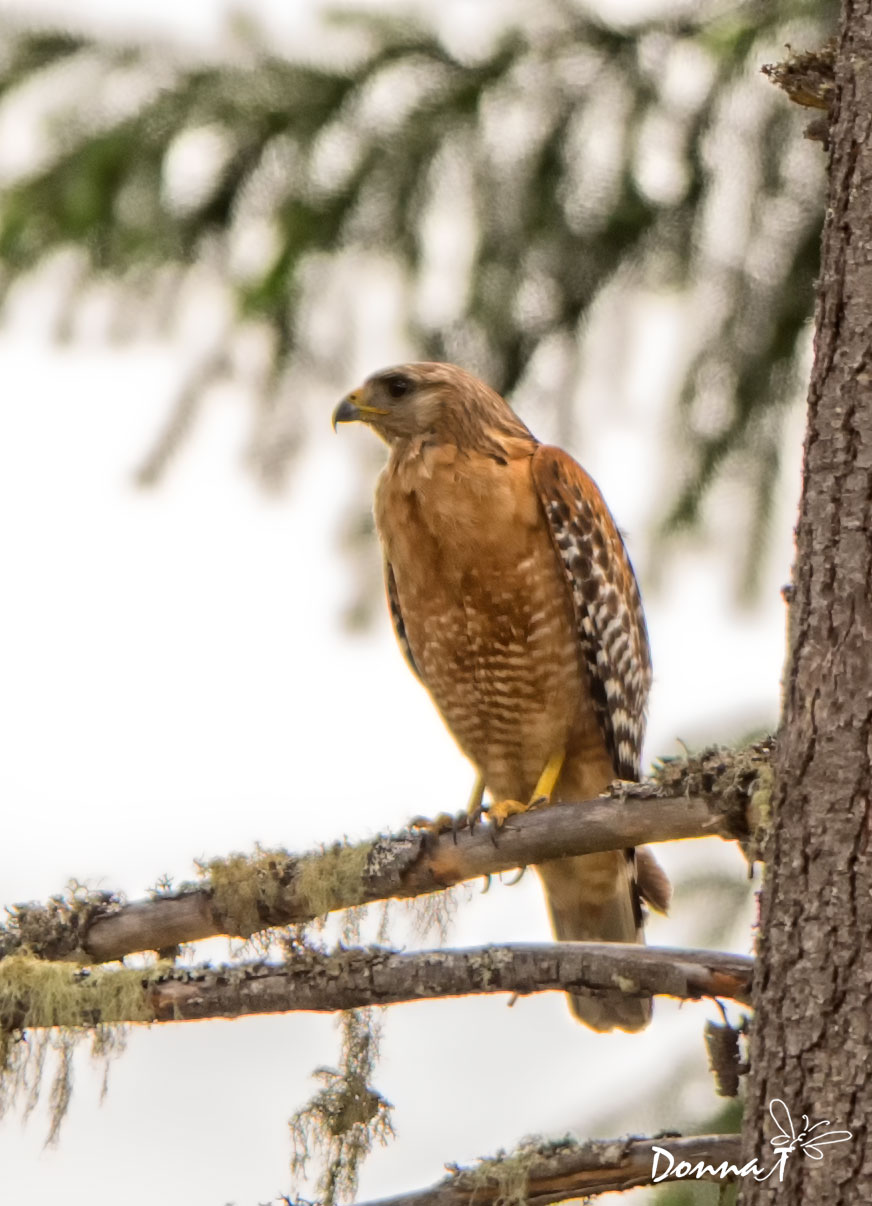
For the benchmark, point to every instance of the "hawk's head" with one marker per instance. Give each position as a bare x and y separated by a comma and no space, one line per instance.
430,399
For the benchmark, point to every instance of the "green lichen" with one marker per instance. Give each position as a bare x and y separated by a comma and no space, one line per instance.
58,929
36,994
247,888
760,812
333,878
734,777
50,1007
251,893
506,1176
346,1116
163,888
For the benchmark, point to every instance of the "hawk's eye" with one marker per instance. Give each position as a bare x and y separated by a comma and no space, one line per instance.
398,386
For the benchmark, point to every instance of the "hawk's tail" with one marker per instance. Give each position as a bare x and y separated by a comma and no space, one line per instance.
596,898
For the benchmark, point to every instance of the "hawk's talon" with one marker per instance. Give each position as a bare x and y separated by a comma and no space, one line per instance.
421,827
474,808
473,816
434,826
459,821
500,811
445,822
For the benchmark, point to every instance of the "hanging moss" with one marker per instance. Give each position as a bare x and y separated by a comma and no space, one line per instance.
52,1007
23,1058
433,915
346,1116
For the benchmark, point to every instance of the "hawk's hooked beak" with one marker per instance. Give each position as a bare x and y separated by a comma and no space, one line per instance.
353,409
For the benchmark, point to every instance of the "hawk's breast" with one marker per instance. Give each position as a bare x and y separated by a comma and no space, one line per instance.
485,608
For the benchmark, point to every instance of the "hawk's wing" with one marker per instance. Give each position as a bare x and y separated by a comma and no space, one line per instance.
610,623
397,618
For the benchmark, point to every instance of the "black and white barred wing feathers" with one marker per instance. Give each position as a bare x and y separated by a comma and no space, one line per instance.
612,637
397,619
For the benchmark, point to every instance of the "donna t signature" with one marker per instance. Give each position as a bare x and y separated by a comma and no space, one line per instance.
809,1139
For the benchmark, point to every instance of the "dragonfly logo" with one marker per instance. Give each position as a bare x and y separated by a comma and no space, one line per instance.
809,1139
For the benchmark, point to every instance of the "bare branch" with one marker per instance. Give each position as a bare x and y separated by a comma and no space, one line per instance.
558,1172
36,994
351,979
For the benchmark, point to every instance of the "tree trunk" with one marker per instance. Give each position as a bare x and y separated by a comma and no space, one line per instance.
813,986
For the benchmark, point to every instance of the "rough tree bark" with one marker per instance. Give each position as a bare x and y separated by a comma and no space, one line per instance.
38,995
813,984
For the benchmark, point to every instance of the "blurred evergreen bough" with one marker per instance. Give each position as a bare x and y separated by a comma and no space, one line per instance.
509,188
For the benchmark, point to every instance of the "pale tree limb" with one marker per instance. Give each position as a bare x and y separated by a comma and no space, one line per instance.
38,994
353,979
563,1171
244,894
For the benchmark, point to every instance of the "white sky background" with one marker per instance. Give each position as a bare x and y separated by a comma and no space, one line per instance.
175,685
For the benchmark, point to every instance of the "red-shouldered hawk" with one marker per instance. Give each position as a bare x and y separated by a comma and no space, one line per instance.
515,603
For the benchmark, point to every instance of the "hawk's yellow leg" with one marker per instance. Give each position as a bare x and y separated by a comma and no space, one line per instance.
542,792
473,808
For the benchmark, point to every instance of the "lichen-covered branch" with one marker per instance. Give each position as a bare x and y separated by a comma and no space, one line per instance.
36,994
720,793
540,1173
